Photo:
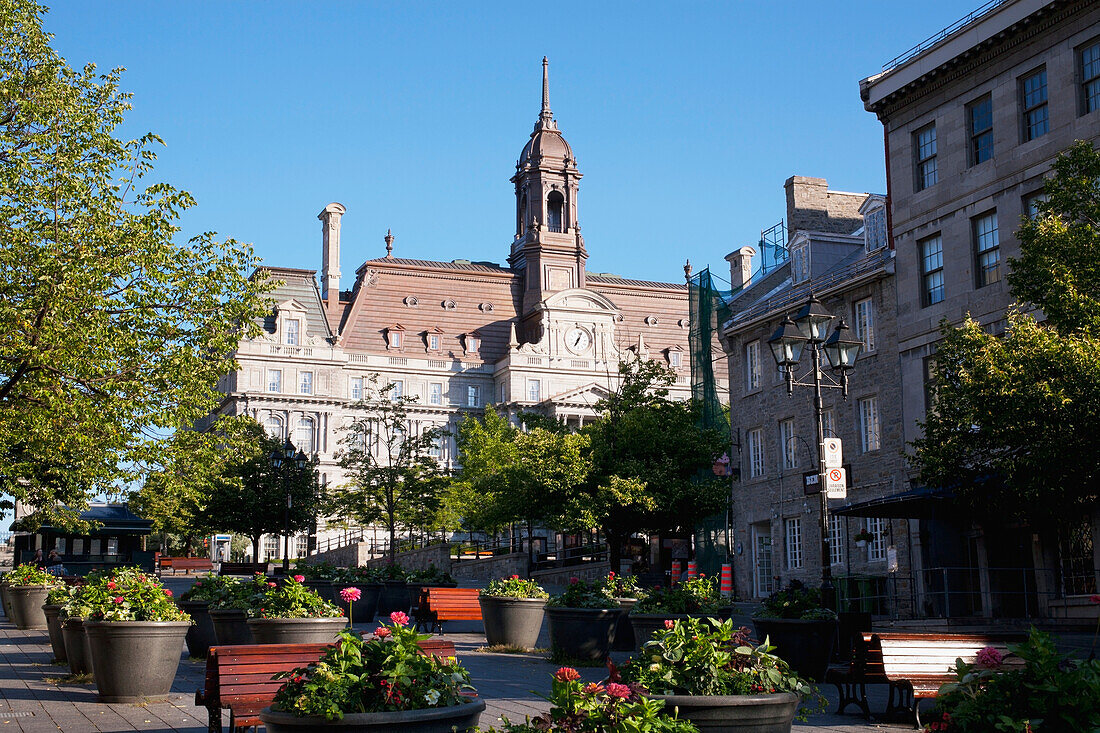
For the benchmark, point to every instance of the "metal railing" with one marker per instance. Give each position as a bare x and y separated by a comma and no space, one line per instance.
942,34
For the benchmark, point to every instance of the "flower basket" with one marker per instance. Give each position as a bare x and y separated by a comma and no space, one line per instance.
769,713
462,717
120,648
296,630
512,611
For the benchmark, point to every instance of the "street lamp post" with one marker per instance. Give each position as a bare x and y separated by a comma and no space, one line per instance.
287,457
810,328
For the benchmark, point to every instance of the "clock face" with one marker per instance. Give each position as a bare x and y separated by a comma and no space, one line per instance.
577,340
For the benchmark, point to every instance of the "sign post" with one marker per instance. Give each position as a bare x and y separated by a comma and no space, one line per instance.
836,483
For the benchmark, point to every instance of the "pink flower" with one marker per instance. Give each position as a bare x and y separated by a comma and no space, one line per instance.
300,578
566,674
118,599
617,690
382,632
271,585
515,577
167,592
1094,598
669,623
351,595
611,574
399,617
989,657
574,580
593,688
111,585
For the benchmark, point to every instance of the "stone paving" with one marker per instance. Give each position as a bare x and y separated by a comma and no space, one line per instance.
36,696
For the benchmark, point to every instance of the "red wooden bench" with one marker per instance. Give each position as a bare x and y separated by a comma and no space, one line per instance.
864,668
238,678
184,563
446,604
918,664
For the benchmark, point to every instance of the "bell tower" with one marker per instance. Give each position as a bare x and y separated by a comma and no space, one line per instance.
548,245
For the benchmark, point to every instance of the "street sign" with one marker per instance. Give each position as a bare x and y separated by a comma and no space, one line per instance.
811,483
836,483
833,457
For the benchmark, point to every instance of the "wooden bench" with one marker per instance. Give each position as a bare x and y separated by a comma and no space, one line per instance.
184,563
437,605
238,678
864,668
918,664
242,568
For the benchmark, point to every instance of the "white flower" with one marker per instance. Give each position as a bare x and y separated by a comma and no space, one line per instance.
654,668
432,696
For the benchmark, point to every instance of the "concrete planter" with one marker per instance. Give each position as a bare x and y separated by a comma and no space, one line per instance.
429,720
77,652
512,621
296,630
582,633
201,636
230,626
26,603
53,625
5,600
624,631
806,645
364,609
135,661
735,713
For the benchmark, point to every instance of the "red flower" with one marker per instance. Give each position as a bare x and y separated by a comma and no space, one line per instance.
574,580
515,577
399,617
617,690
271,585
988,657
702,575
669,623
112,585
118,599
611,574
593,688
567,674
300,578
1094,598
382,632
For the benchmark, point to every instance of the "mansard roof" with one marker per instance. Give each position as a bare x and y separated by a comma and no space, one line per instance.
301,287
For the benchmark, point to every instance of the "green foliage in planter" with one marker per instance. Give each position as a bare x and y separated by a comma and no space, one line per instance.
59,594
710,657
796,601
583,594
320,571
385,673
1048,693
291,599
241,595
513,587
623,586
212,588
430,576
698,595
27,574
357,575
124,594
613,707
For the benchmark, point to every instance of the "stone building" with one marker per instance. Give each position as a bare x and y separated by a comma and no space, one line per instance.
973,118
837,252
539,333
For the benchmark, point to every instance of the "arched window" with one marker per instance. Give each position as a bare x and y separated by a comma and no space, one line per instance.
304,435
274,427
555,206
521,218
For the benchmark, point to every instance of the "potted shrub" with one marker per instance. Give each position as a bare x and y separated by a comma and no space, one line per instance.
196,603
802,630
290,613
582,621
5,600
381,684
695,598
57,597
28,586
624,589
369,583
862,537
596,708
74,609
229,612
711,674
512,611
135,635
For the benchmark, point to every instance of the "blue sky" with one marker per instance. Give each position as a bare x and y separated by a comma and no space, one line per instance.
686,118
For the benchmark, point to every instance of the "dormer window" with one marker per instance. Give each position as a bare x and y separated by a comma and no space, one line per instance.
675,358
800,260
291,332
433,342
395,337
874,229
555,207
473,343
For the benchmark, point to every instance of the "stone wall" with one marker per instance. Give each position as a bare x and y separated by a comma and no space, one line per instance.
557,578
480,572
420,559
348,556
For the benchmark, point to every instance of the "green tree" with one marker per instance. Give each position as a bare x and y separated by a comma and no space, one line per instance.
250,494
112,333
392,478
651,461
1010,428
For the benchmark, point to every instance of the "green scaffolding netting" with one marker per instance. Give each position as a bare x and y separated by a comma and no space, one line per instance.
708,311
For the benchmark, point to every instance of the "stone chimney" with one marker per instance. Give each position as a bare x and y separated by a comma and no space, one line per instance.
811,206
330,257
740,266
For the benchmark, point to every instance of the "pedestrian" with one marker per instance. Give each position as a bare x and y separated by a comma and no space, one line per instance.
37,557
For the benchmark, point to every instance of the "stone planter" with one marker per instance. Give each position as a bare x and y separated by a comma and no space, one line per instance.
624,630
77,652
430,720
645,624
323,588
135,661
394,597
230,626
53,625
296,630
735,713
806,645
512,621
582,633
201,636
5,600
364,609
26,603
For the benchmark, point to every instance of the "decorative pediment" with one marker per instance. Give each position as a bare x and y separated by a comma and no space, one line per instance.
290,306
585,396
580,299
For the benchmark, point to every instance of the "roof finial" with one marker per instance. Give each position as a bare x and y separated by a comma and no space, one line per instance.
389,244
687,270
546,114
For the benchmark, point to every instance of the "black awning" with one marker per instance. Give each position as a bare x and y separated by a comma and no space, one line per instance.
919,503
110,519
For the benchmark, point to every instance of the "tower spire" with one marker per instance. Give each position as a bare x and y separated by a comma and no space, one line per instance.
546,114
